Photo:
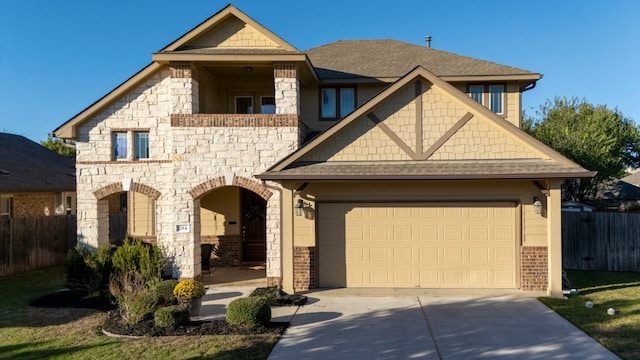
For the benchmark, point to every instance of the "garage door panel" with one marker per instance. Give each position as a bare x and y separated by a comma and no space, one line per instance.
479,278
479,255
402,255
417,245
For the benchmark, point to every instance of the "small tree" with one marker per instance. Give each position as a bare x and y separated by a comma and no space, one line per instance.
64,149
594,136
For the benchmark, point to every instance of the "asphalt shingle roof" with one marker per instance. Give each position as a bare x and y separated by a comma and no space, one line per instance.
393,58
28,166
450,170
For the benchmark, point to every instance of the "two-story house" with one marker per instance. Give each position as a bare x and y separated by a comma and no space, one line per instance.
372,163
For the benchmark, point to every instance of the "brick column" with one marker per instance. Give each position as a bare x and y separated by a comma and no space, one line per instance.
304,268
535,270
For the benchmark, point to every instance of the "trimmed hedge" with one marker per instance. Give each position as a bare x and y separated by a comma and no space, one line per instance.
249,311
171,316
164,292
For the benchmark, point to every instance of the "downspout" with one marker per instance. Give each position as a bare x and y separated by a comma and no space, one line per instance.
531,86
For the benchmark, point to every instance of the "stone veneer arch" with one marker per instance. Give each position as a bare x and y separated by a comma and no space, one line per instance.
115,188
202,189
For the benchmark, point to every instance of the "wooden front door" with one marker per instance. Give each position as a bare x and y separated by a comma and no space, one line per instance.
254,229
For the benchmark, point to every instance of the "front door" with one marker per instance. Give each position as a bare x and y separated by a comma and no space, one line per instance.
254,244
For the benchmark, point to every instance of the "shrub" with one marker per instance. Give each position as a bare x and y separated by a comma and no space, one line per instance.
134,297
164,292
249,311
171,316
135,256
89,269
188,290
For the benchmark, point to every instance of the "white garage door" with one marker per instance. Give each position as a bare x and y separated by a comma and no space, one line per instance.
431,245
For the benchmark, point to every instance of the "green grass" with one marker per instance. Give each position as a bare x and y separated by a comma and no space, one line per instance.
619,290
37,333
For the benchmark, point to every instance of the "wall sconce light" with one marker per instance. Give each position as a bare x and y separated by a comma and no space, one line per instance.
537,206
299,205
126,184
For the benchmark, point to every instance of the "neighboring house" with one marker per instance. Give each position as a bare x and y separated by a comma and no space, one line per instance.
574,206
618,195
34,181
366,163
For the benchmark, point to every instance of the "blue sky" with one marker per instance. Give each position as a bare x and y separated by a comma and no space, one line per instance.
58,57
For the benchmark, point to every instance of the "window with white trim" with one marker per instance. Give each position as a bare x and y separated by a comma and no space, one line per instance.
491,96
130,144
6,206
336,103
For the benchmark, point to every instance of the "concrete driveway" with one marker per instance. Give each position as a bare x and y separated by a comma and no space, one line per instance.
334,326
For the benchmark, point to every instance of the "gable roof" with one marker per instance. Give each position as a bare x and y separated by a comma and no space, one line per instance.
391,59
420,164
26,166
181,49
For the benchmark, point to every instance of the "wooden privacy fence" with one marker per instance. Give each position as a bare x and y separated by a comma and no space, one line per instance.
33,243
601,241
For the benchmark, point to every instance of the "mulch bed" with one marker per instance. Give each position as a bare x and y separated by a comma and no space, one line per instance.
146,327
113,324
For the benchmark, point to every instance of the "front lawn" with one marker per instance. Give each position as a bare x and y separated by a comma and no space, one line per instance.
35,333
618,290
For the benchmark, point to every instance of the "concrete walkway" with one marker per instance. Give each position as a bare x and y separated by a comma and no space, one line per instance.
409,323
331,326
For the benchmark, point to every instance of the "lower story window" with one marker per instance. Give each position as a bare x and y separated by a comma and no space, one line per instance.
6,206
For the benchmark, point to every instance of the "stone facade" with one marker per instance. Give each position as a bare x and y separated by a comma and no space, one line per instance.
535,268
186,160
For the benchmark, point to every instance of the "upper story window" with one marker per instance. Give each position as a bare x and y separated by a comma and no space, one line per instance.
244,105
119,145
496,95
477,93
121,148
267,105
141,144
336,103
491,96
6,206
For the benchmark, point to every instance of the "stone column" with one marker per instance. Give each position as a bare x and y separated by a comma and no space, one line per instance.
287,89
184,89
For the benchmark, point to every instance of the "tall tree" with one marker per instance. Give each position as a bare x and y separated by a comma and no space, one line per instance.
62,148
594,136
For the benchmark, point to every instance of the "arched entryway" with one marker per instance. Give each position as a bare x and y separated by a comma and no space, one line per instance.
126,213
232,216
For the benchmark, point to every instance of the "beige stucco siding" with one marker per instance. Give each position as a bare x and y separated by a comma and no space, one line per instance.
233,33
220,212
142,214
521,192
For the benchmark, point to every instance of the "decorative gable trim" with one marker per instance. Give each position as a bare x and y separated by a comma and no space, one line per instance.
216,19
418,75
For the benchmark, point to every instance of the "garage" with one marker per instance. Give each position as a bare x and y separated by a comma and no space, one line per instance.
430,245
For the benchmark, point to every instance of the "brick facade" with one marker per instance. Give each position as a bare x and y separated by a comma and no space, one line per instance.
535,268
229,249
34,204
234,120
304,268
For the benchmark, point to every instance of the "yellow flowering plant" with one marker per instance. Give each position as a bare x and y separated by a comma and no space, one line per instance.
189,289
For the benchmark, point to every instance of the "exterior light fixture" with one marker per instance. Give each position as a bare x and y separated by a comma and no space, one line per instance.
537,206
126,184
299,205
